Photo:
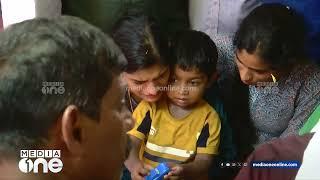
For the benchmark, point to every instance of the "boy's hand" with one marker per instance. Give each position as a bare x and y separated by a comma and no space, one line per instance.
192,170
138,170
176,172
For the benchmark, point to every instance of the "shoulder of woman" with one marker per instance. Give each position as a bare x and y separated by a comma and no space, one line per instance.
309,76
312,73
307,70
304,73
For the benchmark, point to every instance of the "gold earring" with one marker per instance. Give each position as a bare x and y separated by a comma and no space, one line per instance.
273,78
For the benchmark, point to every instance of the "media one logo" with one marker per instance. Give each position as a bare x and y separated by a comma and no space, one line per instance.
53,88
49,159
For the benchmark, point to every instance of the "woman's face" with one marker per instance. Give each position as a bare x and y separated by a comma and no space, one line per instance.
252,69
147,84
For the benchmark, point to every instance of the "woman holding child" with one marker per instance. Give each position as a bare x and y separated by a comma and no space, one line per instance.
147,72
147,76
284,87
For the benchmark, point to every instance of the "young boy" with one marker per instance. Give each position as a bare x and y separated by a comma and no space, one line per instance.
181,129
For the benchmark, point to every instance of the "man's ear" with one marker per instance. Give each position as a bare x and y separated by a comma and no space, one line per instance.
71,129
212,79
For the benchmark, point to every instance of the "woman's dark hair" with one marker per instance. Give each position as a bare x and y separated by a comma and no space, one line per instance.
276,33
141,41
195,49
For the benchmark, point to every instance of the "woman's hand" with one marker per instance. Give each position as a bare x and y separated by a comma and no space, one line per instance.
139,171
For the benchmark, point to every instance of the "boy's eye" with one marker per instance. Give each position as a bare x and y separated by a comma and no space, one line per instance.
194,83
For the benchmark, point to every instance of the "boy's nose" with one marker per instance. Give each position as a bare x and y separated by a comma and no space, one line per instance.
183,90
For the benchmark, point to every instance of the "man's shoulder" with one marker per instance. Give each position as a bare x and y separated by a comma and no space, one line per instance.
290,147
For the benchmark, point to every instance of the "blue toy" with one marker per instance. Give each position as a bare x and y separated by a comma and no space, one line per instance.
159,172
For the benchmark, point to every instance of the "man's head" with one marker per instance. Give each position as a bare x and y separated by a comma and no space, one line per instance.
81,114
195,56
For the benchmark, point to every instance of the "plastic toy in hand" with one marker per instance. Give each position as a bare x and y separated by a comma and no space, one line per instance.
159,172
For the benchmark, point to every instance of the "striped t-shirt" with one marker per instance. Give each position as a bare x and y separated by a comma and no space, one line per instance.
168,139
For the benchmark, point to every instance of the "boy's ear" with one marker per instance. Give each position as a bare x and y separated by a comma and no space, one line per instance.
212,79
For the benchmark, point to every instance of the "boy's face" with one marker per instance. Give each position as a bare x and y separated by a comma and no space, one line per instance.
186,87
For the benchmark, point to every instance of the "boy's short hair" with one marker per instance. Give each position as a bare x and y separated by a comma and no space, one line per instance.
195,49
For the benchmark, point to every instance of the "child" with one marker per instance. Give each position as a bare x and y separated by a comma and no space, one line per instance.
181,129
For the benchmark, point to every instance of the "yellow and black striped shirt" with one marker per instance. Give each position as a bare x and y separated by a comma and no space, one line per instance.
168,139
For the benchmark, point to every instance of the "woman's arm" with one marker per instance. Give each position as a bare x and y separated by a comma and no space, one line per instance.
306,102
136,167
